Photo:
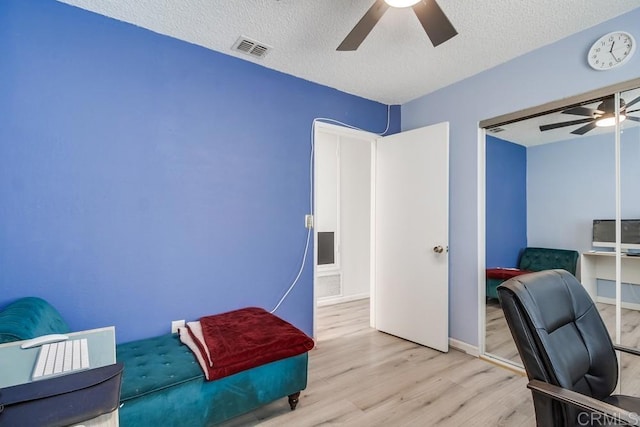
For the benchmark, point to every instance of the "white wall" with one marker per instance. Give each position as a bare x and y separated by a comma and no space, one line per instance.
355,214
326,183
550,73
343,205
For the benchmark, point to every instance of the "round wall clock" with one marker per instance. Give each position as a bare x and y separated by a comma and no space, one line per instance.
611,50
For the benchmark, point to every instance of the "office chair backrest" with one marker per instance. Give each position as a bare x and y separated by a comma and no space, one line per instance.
561,339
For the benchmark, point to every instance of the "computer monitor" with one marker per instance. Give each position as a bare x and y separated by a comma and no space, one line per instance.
604,234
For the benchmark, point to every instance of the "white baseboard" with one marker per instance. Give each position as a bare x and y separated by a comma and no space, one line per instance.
339,300
471,350
612,301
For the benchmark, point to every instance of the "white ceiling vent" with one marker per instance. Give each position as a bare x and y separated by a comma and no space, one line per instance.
251,47
495,130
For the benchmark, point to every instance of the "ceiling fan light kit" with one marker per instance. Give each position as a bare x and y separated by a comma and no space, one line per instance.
401,3
609,120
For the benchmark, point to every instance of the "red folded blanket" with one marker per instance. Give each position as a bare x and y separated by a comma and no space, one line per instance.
505,273
245,338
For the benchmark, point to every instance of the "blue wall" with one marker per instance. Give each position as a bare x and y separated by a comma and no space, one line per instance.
523,82
571,183
506,202
144,179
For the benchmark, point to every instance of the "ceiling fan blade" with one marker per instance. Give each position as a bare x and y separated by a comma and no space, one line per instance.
364,26
584,129
434,21
629,104
582,111
564,124
635,119
633,111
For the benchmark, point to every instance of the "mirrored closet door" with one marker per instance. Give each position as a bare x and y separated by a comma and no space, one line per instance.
628,288
566,179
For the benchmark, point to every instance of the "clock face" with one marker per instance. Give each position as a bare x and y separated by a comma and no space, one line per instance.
611,50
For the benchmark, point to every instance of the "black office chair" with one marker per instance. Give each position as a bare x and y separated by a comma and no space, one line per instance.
566,350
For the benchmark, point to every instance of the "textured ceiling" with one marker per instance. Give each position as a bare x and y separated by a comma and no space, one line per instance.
395,64
527,132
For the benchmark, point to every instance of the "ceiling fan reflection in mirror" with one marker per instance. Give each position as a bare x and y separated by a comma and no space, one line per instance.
602,116
433,20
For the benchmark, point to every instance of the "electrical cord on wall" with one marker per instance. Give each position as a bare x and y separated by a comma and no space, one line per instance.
306,245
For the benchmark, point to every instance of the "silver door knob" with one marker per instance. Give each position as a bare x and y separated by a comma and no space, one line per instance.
438,249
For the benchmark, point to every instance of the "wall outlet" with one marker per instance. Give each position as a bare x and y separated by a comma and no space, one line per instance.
175,324
308,221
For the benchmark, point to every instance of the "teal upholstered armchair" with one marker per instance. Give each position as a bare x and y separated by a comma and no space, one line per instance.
532,259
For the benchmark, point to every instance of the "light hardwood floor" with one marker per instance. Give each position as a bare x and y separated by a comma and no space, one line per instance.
498,340
361,377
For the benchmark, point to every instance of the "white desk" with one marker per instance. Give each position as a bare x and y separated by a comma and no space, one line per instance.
602,265
16,364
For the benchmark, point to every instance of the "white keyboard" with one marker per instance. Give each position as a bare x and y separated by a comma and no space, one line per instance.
61,358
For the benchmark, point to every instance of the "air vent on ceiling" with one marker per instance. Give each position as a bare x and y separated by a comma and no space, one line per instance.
495,130
251,47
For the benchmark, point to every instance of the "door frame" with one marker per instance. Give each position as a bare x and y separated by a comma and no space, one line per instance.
482,256
373,138
353,133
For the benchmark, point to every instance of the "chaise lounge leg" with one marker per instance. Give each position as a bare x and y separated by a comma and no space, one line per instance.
293,400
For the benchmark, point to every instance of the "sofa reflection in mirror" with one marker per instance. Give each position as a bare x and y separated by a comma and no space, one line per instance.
532,259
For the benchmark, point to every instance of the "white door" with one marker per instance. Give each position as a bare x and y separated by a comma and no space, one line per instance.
410,227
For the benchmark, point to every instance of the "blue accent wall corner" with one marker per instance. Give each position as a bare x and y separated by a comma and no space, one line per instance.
144,179
506,202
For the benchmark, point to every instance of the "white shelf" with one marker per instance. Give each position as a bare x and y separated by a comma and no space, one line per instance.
602,265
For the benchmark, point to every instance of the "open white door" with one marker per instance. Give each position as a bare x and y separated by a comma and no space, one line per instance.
411,230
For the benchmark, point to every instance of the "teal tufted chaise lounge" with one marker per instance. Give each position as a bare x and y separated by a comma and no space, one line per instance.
163,384
532,259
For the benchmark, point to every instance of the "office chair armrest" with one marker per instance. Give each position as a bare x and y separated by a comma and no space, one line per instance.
611,412
630,350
